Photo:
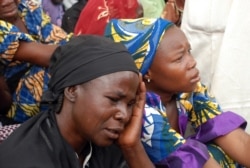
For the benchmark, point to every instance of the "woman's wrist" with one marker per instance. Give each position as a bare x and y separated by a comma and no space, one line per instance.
136,156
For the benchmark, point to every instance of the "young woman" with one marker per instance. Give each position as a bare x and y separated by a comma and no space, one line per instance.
175,98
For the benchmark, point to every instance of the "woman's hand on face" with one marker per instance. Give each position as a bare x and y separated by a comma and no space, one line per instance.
130,137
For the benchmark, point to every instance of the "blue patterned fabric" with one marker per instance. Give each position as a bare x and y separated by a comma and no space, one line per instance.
163,143
27,96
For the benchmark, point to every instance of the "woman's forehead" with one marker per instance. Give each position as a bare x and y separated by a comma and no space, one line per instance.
118,76
119,82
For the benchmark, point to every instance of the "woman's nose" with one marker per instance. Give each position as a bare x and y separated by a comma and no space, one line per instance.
123,115
191,62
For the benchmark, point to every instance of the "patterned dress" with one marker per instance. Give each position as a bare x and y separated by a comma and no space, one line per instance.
27,95
168,148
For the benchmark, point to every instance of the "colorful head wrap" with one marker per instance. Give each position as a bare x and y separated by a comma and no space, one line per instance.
84,58
140,36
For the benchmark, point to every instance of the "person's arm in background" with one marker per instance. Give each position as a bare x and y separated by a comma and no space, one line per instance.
40,52
35,53
24,47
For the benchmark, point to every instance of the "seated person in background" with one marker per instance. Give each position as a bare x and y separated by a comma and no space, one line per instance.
95,114
175,97
26,38
71,16
97,13
54,9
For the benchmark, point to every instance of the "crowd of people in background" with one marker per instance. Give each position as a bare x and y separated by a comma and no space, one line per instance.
181,112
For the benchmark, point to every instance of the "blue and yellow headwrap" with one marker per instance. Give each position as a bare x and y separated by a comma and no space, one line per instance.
140,36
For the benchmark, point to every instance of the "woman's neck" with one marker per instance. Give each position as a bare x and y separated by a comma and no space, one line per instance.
165,96
69,131
169,102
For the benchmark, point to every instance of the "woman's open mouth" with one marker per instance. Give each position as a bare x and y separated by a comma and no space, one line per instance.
113,133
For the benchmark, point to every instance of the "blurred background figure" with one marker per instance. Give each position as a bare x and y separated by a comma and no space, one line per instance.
71,16
97,13
219,35
152,9
54,8
173,11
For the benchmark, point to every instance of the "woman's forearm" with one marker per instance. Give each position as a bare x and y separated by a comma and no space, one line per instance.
35,53
237,145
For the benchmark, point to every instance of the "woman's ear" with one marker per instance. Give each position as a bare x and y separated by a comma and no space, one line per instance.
70,93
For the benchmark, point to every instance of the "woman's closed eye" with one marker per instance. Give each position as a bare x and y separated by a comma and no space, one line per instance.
181,55
113,99
179,58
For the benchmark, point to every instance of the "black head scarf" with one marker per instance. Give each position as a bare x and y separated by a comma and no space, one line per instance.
84,58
